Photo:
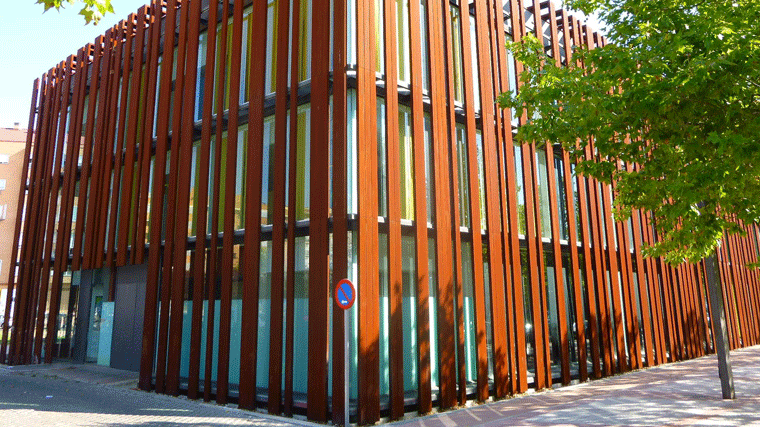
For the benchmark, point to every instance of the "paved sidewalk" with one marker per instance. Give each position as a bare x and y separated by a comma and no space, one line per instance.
683,394
65,394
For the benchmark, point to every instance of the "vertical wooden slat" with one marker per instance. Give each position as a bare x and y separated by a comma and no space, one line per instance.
742,249
424,400
279,168
67,198
140,213
454,173
745,247
741,298
51,181
557,261
728,300
213,263
696,314
704,306
748,297
102,153
685,295
14,271
319,289
544,354
699,315
600,270
27,285
490,170
24,284
250,266
709,347
31,277
339,209
442,220
505,159
191,18
691,294
225,311
475,220
291,245
571,221
647,312
615,285
727,285
201,212
171,291
678,310
136,82
590,255
98,156
156,214
586,236
66,71
543,377
27,250
555,219
121,187
36,314
629,288
653,285
395,285
628,303
675,347
655,294
368,289
109,186
534,241
520,383
681,288
751,257
13,284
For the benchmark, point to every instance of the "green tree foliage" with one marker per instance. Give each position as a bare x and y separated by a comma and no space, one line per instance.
676,92
92,10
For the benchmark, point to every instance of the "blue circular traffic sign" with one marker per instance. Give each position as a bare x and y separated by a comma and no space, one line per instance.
345,294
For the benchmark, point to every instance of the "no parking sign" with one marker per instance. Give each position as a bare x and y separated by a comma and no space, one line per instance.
345,294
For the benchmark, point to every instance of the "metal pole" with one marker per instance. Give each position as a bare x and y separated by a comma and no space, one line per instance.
346,340
719,326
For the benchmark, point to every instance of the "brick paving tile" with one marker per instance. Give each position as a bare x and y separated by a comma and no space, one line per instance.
678,394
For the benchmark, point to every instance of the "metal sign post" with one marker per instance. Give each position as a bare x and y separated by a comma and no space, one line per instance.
346,419
345,296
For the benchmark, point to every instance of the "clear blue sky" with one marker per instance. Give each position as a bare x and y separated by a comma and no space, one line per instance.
32,42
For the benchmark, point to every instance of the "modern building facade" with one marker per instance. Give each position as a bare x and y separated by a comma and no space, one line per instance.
200,178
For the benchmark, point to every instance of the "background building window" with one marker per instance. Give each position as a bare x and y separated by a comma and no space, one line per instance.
3,211
4,159
2,184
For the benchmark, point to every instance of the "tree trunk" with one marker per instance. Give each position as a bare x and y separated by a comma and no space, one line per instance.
720,335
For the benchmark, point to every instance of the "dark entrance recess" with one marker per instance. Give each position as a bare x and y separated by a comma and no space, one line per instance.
124,327
128,317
